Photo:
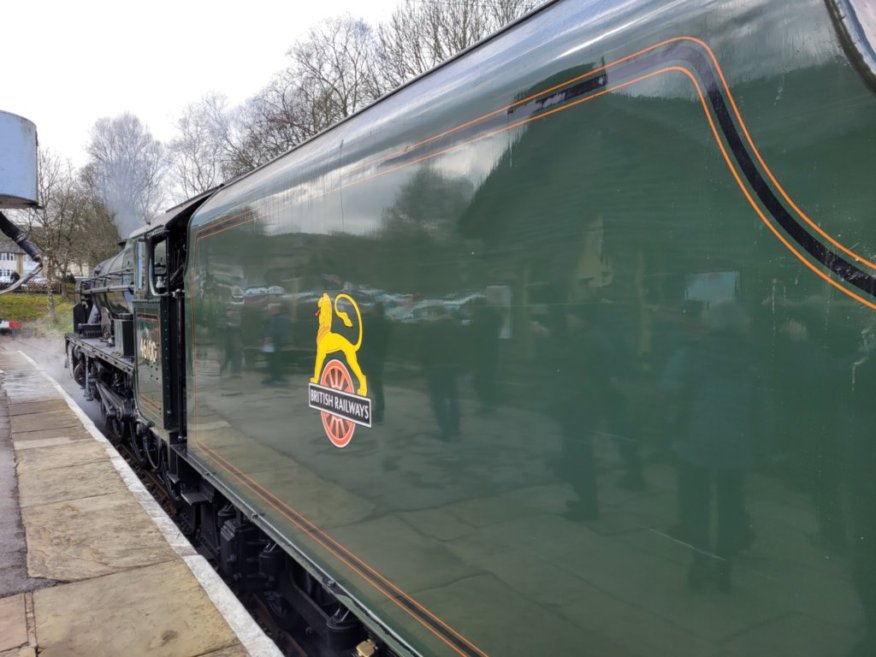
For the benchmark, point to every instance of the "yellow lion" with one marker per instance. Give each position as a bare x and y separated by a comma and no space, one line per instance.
328,342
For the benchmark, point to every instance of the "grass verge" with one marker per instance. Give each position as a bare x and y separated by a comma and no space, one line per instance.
32,311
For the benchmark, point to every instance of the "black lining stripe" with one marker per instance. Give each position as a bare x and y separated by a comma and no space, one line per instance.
695,57
703,67
814,247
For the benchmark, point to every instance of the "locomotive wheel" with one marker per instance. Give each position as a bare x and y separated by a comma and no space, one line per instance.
79,373
137,448
115,429
152,447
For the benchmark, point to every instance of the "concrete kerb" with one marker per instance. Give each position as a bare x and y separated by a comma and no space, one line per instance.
250,635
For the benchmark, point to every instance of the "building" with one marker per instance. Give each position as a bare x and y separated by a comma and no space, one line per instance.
14,262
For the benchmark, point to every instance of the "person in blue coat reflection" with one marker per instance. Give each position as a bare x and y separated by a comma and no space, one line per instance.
719,383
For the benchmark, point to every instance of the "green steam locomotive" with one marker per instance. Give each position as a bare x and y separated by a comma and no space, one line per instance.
565,347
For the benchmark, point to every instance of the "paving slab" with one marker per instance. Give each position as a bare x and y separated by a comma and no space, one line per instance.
466,613
637,630
793,635
30,389
158,610
322,502
484,511
28,408
13,568
13,622
79,539
69,434
90,479
22,445
63,454
416,562
12,361
437,523
21,396
657,587
544,536
37,422
527,574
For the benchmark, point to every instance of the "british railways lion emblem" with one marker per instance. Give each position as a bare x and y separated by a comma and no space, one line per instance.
331,388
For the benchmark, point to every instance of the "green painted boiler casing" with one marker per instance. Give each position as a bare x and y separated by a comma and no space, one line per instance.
614,315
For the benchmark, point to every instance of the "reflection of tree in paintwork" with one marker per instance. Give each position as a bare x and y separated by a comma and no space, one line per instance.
431,203
421,235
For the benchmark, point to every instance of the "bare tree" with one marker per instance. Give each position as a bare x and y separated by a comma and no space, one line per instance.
339,67
330,75
421,34
126,170
198,156
501,12
53,225
270,123
335,68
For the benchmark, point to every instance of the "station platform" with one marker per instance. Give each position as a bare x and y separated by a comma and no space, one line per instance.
90,565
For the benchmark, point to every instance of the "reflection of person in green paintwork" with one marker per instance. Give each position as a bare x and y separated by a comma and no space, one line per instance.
484,329
276,339
441,366
721,384
580,359
373,356
231,325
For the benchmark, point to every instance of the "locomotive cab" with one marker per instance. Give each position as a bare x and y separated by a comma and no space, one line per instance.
157,311
127,342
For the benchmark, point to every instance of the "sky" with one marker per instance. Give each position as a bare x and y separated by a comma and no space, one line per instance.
63,64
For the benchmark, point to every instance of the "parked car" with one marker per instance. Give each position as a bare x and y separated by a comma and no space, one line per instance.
41,284
6,327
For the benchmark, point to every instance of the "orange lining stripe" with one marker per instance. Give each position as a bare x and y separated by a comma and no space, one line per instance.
718,140
754,205
727,91
538,94
810,222
221,225
511,126
769,173
219,232
258,490
149,401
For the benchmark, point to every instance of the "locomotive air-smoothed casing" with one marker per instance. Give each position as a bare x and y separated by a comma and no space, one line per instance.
564,348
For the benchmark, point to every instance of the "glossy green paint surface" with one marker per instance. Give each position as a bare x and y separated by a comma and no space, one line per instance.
148,351
625,412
